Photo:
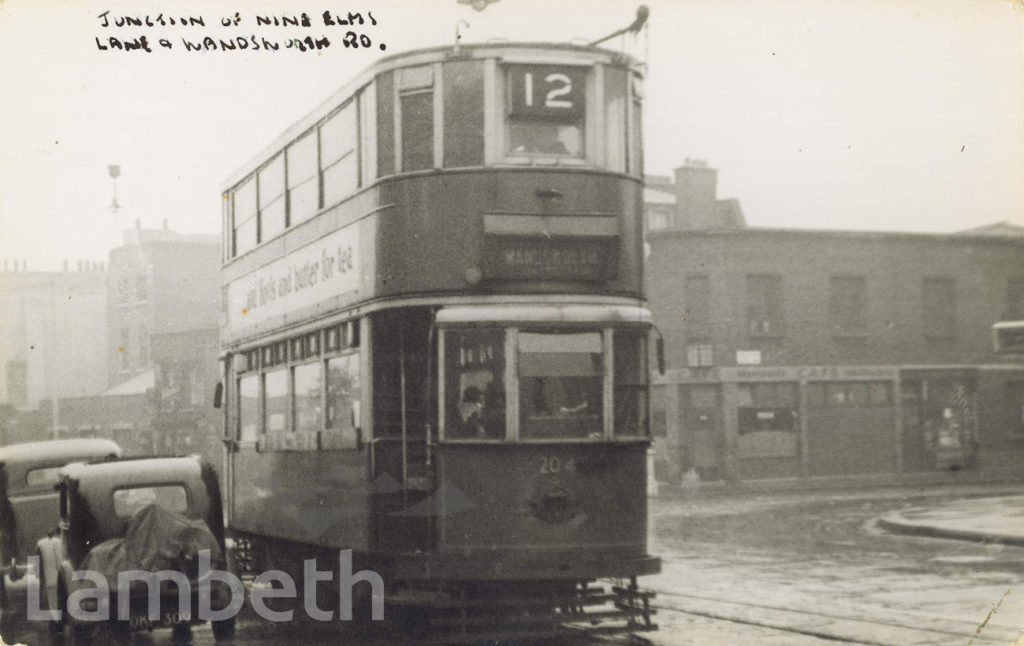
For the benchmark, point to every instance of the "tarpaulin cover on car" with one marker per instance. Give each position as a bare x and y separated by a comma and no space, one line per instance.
156,539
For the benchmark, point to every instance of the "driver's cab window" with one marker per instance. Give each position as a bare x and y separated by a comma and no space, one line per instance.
475,384
561,377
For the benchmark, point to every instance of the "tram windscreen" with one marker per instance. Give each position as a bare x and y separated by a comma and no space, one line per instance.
560,385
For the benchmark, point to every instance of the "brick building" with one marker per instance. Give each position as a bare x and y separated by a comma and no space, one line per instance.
811,353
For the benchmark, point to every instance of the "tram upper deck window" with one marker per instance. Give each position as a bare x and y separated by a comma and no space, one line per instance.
474,384
561,385
416,107
244,220
546,109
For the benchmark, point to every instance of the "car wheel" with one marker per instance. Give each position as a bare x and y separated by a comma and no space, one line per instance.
223,631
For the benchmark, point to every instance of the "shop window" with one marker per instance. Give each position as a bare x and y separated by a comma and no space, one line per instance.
766,407
339,156
847,305
416,113
939,296
765,317
474,384
546,108
463,113
852,393
271,199
303,182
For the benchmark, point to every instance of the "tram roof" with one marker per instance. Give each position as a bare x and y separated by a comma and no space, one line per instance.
516,52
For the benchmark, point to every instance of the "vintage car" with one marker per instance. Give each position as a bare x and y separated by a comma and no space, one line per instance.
151,515
29,509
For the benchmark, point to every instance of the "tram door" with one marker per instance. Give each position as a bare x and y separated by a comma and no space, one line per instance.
702,428
403,404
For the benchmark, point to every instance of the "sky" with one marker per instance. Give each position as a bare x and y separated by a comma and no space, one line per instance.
896,115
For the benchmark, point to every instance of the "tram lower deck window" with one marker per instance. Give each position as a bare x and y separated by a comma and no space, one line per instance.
561,385
474,384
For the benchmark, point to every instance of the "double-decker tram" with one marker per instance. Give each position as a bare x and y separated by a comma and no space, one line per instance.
435,342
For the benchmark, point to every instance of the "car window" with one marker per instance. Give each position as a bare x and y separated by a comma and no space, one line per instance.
127,501
45,476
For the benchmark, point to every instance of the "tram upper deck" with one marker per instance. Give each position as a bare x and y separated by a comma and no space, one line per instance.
505,169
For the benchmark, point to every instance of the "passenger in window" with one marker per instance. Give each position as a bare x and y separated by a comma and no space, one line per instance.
471,412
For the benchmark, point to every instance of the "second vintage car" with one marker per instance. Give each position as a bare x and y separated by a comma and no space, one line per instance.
151,515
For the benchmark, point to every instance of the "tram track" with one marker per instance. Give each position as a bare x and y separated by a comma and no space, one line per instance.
840,627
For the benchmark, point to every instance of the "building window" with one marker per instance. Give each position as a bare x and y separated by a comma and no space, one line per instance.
141,289
848,305
546,108
699,356
416,108
339,155
765,317
303,182
1014,300
697,307
939,296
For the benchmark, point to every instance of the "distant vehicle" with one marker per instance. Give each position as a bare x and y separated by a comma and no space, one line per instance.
151,514
29,505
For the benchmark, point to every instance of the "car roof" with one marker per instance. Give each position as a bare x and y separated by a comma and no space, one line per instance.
129,471
72,449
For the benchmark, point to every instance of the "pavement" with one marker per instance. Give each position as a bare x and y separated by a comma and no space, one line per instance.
995,519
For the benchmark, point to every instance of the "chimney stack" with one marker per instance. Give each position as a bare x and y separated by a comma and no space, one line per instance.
696,195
